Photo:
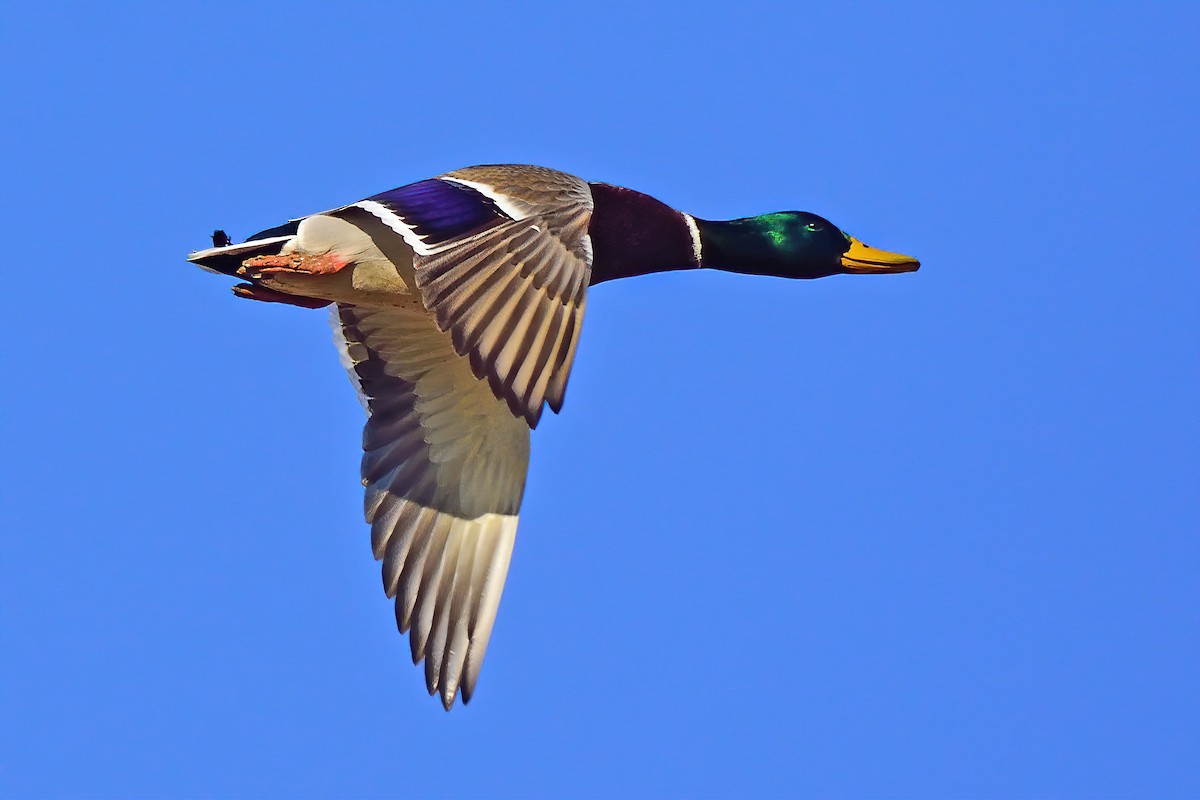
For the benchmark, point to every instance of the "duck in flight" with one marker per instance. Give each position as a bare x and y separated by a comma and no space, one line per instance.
457,304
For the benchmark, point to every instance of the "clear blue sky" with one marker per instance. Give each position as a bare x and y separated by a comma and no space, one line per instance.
922,536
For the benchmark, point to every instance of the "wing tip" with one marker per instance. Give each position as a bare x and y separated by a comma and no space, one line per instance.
452,668
532,415
555,401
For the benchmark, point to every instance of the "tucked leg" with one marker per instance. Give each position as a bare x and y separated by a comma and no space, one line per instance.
249,291
304,263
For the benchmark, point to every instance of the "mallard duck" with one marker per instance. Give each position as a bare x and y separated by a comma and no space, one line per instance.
457,307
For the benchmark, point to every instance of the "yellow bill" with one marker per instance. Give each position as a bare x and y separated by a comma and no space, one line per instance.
866,259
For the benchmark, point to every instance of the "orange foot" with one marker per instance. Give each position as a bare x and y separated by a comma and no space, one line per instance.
304,263
251,292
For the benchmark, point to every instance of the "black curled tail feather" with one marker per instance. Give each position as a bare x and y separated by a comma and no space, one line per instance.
226,258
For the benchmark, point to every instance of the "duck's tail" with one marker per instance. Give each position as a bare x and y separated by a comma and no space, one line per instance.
224,258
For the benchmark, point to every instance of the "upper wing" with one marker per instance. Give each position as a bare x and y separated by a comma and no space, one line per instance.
444,468
502,260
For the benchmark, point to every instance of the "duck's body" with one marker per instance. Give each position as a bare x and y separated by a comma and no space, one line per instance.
458,306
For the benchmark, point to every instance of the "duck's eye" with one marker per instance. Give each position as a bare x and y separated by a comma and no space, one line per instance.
812,227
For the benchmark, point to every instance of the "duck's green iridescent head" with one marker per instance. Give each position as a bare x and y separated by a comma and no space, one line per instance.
792,244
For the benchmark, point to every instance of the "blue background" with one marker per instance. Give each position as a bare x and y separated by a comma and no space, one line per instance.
931,535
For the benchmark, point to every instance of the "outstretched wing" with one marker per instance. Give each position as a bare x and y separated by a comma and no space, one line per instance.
444,468
502,260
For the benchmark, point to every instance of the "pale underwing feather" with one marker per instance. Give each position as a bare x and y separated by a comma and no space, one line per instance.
444,467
